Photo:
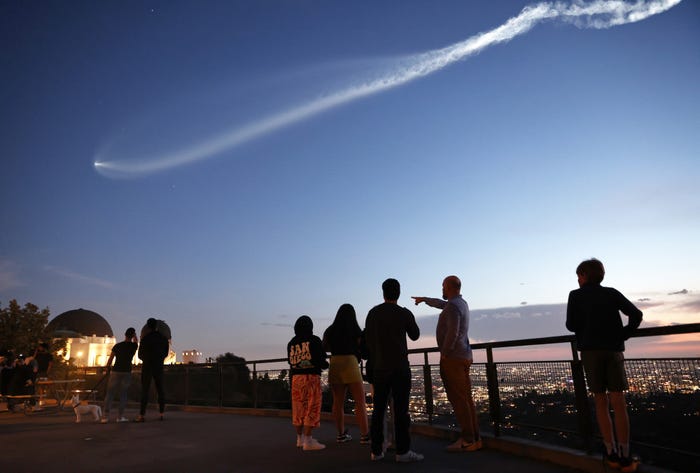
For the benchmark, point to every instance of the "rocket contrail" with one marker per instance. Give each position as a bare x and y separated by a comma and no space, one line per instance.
599,14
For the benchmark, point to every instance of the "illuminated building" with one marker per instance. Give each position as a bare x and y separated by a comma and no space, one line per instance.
89,338
192,356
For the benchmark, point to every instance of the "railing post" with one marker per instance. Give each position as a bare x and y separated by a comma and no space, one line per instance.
428,387
255,386
583,411
187,385
494,396
221,384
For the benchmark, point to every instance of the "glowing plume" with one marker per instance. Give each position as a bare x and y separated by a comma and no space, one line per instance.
598,14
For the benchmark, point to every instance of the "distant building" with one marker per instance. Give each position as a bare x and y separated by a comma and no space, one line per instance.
192,356
89,338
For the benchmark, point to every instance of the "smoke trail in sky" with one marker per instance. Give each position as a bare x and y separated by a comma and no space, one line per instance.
598,14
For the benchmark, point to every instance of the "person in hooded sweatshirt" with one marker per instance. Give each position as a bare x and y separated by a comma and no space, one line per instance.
307,359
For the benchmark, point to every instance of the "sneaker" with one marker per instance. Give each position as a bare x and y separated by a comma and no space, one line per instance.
409,456
364,439
462,446
122,419
611,459
313,444
140,419
629,464
344,437
376,456
104,420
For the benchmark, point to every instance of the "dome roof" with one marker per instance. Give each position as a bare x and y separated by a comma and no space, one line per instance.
79,322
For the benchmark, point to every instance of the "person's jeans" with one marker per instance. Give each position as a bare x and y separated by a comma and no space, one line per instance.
118,383
149,371
398,385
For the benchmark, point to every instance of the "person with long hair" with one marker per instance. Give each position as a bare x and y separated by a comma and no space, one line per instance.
342,340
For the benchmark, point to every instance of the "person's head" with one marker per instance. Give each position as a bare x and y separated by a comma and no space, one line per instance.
451,287
43,346
346,320
304,326
152,324
590,271
391,289
130,333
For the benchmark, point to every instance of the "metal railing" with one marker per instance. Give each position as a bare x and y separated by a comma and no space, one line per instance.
542,400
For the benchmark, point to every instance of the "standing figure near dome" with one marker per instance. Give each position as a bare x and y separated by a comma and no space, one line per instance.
120,376
44,360
152,351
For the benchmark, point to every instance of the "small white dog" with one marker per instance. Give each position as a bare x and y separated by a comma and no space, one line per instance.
85,409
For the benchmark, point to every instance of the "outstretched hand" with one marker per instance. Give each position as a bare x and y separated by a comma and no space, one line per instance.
418,299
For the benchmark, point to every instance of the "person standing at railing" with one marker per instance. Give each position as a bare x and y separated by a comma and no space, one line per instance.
452,334
120,375
152,351
342,340
307,359
593,314
386,328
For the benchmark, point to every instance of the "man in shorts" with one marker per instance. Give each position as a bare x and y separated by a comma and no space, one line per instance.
593,314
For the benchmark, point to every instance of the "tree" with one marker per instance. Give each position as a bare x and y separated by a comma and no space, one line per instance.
236,375
22,328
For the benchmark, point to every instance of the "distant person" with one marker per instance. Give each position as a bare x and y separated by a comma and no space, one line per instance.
22,380
593,314
307,359
44,360
386,328
152,352
342,340
452,336
120,376
7,371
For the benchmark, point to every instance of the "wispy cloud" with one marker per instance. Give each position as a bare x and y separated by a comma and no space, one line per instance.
9,276
275,324
81,277
598,14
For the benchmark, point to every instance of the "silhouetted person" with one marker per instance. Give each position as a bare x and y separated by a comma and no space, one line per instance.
152,352
452,335
342,339
386,328
44,360
593,314
120,375
307,359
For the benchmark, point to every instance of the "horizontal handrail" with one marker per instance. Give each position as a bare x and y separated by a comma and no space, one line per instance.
641,332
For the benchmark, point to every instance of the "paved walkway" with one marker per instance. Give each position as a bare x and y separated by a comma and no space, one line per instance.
192,442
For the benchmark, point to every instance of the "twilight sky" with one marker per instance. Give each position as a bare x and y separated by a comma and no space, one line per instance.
230,165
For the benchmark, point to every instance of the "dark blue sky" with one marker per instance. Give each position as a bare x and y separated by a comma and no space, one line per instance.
507,167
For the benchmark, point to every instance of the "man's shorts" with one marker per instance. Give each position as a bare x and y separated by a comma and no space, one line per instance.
605,371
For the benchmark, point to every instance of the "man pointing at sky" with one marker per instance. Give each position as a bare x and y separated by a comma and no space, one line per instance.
452,336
